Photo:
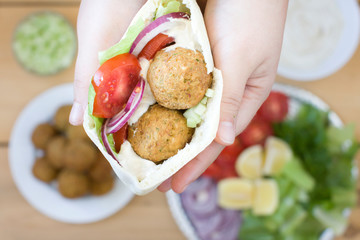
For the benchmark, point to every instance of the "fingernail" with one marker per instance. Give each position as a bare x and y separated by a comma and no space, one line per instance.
76,114
226,132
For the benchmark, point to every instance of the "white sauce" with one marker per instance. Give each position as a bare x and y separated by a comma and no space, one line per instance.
148,98
184,37
312,31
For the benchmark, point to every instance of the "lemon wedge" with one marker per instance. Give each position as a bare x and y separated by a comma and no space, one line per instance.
249,163
277,153
266,197
235,193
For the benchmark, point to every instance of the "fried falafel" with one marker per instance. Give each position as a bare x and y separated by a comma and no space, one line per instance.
72,184
101,169
43,170
61,118
55,151
100,188
79,155
42,134
76,132
178,79
159,134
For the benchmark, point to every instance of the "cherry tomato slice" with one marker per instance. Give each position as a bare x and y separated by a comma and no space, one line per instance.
213,171
113,83
155,44
230,153
256,132
275,108
120,137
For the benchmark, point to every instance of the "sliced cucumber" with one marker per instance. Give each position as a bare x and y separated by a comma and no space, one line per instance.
45,43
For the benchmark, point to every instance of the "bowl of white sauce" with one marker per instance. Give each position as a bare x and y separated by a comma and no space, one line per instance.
320,37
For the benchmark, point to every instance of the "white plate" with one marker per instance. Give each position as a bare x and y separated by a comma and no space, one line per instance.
344,50
297,97
44,197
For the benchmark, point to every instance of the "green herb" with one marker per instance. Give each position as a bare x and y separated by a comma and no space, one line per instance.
316,186
320,148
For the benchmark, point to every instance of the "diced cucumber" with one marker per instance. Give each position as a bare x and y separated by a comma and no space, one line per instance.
331,219
297,216
294,171
204,100
189,113
200,109
282,212
45,43
344,197
210,93
193,115
191,122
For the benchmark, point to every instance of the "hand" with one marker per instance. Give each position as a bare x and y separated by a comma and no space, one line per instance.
100,25
246,38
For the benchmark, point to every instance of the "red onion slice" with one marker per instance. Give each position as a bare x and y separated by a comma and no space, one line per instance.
229,227
119,120
106,141
200,198
160,25
209,220
205,227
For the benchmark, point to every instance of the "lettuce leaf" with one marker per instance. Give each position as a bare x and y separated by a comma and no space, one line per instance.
125,44
97,121
170,6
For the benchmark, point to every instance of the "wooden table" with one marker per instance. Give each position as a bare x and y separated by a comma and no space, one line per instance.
146,217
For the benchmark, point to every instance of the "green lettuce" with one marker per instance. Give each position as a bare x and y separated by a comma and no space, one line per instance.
97,121
125,44
170,6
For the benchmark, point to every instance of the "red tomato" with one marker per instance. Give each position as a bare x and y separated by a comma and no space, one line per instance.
120,137
230,153
157,43
256,132
228,172
213,171
275,108
114,82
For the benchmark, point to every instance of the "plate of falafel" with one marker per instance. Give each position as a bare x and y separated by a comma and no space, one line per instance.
55,166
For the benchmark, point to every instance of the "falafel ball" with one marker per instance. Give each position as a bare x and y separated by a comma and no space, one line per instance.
73,184
55,151
102,187
101,169
178,79
43,170
42,134
76,132
61,118
79,155
159,134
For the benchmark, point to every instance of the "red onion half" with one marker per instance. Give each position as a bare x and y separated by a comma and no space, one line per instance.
119,120
200,198
209,220
160,25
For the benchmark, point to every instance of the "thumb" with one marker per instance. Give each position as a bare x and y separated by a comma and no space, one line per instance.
100,25
236,73
230,104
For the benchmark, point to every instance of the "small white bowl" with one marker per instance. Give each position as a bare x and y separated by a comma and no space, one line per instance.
346,47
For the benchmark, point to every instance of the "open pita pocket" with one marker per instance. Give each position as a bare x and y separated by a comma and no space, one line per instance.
141,175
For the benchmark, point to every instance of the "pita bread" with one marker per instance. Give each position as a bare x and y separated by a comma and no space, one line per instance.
141,175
